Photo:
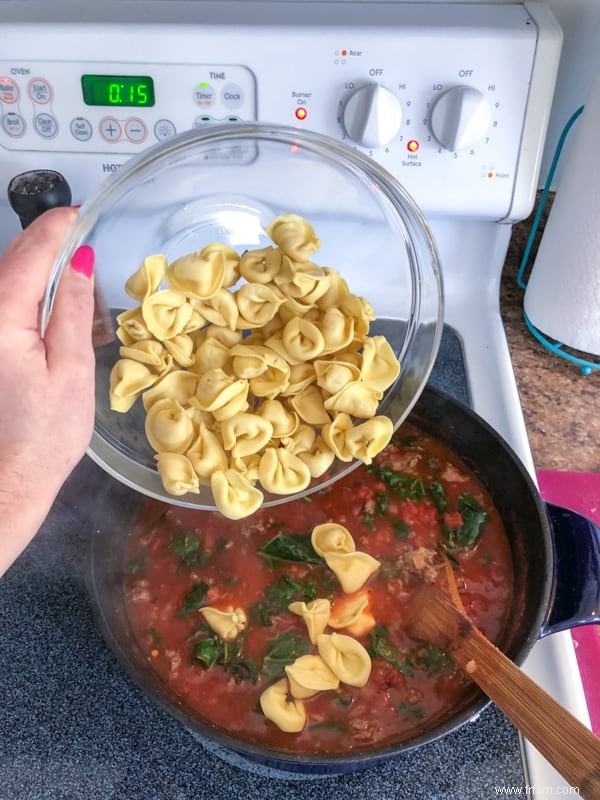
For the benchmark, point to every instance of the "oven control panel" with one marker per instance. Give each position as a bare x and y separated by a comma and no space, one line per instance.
118,107
452,99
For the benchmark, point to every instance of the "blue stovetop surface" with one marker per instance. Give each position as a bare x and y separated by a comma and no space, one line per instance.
74,727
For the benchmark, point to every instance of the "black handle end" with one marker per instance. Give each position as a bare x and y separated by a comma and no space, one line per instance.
32,193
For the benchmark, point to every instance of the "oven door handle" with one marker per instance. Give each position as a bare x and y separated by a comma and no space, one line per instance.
576,596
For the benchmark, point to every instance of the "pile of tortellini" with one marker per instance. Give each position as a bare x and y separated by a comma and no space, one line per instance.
253,369
340,657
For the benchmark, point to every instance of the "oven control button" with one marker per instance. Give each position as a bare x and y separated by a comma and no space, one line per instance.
372,115
81,129
110,129
460,118
46,125
135,130
39,91
9,91
232,96
202,121
13,124
164,129
204,94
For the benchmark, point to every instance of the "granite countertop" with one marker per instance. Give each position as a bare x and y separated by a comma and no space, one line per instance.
561,406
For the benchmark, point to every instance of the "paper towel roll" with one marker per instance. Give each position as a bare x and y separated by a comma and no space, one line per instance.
562,298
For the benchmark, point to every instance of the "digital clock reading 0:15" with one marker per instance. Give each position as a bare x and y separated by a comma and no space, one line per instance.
118,90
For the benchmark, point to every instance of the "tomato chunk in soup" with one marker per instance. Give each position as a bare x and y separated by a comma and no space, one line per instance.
414,503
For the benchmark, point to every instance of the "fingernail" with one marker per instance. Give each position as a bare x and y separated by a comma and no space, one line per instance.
83,260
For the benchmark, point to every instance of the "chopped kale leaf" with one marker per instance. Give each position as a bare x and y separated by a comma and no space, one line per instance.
379,646
211,649
429,658
186,547
278,596
438,495
290,547
408,487
368,521
283,650
416,712
194,599
382,502
207,651
138,564
401,528
474,519
331,725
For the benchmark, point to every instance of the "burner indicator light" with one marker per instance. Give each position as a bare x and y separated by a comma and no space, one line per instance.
412,146
344,52
301,113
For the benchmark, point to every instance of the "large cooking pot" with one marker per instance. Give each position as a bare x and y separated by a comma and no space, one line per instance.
556,554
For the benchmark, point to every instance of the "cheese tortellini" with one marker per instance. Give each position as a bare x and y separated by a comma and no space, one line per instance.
146,280
168,428
294,236
288,714
345,657
352,569
329,537
226,624
177,474
128,379
315,614
335,544
234,495
281,472
309,675
256,371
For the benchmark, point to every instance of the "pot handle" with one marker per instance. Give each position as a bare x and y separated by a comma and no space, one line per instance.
577,570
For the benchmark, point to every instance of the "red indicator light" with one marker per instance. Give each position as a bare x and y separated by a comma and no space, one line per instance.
301,113
344,52
490,174
412,146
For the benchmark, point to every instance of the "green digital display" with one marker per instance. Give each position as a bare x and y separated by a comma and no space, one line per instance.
118,90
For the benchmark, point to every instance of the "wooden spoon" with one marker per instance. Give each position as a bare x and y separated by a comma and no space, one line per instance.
436,615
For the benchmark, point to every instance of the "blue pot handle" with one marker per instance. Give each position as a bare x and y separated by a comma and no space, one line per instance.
577,570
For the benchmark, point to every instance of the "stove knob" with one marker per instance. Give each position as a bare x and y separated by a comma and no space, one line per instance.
372,115
460,118
32,193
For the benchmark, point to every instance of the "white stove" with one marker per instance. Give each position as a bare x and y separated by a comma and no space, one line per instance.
453,99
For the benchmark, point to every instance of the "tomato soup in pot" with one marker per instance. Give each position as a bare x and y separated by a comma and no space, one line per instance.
414,506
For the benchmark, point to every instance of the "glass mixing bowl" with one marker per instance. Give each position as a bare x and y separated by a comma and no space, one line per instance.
225,184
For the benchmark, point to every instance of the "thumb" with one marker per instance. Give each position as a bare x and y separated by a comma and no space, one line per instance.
69,333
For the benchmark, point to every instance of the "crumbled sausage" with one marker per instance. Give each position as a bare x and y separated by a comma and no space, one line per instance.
370,506
453,475
361,730
418,564
405,461
140,591
414,696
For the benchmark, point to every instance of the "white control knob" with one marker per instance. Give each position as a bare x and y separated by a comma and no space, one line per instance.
372,115
460,118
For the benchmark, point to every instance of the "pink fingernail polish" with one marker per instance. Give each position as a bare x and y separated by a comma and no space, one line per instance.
83,260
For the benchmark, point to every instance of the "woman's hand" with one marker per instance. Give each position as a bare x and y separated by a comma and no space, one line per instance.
46,385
